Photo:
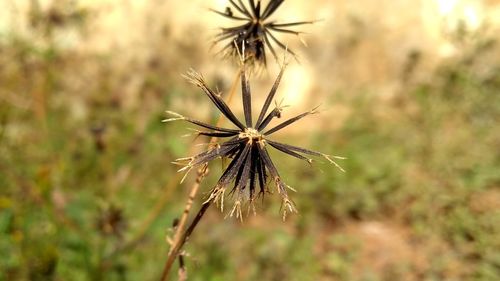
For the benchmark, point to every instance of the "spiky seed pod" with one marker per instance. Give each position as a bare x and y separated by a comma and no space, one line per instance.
251,167
256,31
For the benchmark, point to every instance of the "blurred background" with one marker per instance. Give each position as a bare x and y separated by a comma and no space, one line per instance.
410,93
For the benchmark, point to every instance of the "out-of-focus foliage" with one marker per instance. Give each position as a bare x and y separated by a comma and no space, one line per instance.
84,161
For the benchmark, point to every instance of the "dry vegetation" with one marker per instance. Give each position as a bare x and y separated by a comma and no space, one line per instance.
85,172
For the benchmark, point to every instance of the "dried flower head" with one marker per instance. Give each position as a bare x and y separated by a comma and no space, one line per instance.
247,145
256,31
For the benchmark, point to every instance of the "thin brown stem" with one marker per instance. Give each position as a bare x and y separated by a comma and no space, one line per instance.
179,237
174,251
202,172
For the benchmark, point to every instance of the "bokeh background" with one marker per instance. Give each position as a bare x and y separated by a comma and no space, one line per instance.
410,92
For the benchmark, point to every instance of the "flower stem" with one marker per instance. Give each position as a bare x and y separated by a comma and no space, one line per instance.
174,251
179,240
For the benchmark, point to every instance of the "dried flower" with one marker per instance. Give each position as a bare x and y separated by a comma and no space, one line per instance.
247,144
256,32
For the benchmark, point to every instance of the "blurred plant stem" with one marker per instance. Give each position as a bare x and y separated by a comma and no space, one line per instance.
176,247
180,237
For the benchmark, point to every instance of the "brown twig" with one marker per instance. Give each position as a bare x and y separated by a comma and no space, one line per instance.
202,172
180,237
174,251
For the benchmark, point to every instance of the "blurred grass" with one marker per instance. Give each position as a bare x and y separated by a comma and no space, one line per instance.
82,167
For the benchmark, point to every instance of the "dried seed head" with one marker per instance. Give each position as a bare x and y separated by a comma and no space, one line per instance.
256,33
246,145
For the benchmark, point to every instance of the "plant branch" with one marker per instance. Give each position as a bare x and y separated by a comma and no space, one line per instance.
179,238
174,251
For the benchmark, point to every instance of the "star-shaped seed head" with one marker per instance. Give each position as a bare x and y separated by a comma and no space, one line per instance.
246,144
257,32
